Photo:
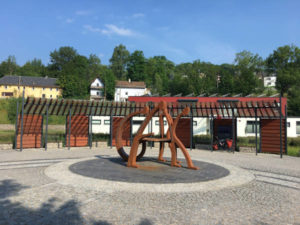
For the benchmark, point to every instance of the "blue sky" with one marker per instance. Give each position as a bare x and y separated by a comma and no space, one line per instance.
183,31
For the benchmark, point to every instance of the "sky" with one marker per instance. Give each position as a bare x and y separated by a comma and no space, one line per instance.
183,31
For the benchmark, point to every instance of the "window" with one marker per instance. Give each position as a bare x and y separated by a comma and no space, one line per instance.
194,123
298,127
43,89
50,89
157,122
137,122
56,89
7,94
126,93
32,88
96,122
106,122
97,84
98,93
250,127
5,87
288,124
50,96
43,96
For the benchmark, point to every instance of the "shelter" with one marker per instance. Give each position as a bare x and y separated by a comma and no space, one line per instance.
221,111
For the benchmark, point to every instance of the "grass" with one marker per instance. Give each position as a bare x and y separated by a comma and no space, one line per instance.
294,151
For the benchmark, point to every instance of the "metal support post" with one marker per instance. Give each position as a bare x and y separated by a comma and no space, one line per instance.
16,125
212,132
131,129
233,132
90,132
285,138
280,127
191,131
69,141
111,130
256,131
22,117
46,132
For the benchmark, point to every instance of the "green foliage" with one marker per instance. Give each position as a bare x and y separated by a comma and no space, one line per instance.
118,61
109,84
33,68
294,151
246,141
136,66
202,139
9,66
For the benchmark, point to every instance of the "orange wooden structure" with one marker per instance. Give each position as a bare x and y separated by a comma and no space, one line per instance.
141,138
79,131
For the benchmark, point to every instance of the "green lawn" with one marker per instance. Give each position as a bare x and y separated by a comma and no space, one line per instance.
294,151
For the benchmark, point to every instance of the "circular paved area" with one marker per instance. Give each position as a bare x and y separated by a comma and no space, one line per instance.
149,171
63,174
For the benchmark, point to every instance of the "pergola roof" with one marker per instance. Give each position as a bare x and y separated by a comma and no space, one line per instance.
226,109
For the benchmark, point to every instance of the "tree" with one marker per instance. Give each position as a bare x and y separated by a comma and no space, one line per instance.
9,67
60,58
248,66
226,84
285,63
33,68
109,84
136,66
118,61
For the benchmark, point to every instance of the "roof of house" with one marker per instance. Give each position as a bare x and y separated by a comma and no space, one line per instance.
29,81
132,84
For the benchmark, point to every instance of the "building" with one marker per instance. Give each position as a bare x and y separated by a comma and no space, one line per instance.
97,90
38,87
270,81
124,89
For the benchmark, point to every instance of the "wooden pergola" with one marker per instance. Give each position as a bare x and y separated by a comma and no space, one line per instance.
223,109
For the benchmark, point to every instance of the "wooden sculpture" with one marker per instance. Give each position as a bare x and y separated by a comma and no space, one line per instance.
141,138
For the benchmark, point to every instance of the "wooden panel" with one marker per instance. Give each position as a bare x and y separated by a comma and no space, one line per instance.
30,141
270,136
183,131
79,131
126,132
32,131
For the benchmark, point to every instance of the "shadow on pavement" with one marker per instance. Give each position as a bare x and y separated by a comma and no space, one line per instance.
13,212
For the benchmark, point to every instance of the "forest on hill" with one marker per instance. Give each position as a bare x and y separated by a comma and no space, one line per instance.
244,76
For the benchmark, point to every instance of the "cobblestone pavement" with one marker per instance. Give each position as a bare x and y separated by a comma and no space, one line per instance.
28,196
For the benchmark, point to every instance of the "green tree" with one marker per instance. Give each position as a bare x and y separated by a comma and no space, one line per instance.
248,66
136,66
285,63
34,67
118,61
9,66
109,84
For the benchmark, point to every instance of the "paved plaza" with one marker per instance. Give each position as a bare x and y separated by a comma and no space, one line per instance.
47,187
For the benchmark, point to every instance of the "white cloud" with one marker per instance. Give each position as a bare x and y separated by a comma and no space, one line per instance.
69,20
138,15
110,30
83,12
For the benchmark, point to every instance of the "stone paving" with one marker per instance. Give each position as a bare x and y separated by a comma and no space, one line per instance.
29,196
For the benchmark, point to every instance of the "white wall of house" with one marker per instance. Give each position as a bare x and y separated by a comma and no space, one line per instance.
293,130
270,81
96,88
201,126
121,94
